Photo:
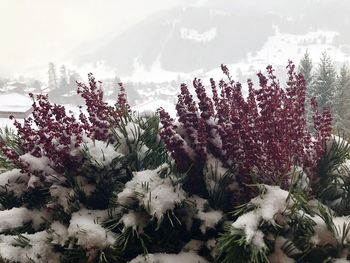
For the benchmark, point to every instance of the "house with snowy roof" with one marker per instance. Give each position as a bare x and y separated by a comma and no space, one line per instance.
15,104
15,87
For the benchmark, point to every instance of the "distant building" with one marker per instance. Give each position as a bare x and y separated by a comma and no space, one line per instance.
15,104
15,87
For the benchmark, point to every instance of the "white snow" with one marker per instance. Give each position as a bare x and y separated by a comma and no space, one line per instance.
322,234
60,233
85,227
134,220
151,106
61,194
40,250
188,257
18,216
258,240
156,73
101,152
37,163
15,181
215,12
14,102
194,35
249,223
209,218
213,171
155,194
283,46
280,47
299,178
270,204
340,260
129,138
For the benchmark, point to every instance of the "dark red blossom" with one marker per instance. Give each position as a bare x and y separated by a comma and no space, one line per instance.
101,115
49,133
122,105
263,135
174,143
55,136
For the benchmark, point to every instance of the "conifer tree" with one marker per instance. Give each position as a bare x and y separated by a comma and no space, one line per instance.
52,81
73,78
342,100
305,68
324,83
63,79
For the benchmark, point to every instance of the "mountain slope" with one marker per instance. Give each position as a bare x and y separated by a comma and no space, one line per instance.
185,39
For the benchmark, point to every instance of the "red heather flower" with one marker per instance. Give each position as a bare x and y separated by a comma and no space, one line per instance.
122,105
205,103
9,153
174,143
101,115
55,136
322,124
262,135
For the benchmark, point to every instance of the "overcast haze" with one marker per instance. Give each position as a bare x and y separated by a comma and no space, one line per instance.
153,46
160,40
36,32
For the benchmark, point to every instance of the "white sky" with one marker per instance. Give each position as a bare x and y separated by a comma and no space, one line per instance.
34,32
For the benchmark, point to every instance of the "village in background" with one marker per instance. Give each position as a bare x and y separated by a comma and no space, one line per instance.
326,79
62,89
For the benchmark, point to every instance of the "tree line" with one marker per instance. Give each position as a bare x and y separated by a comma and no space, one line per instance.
331,88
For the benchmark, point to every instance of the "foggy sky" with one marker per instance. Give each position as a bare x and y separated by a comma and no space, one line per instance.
34,32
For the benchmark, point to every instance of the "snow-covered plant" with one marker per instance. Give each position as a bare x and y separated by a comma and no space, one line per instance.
50,135
281,226
57,198
116,186
261,137
100,188
10,148
101,115
333,186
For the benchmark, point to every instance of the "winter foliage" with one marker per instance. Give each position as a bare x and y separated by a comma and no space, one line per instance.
232,179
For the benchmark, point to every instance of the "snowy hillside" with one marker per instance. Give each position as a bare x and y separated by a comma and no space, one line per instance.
186,41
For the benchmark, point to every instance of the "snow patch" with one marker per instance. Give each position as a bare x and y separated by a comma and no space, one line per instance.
37,163
188,257
40,250
272,202
194,35
157,195
101,152
18,216
15,181
209,218
85,227
60,233
135,220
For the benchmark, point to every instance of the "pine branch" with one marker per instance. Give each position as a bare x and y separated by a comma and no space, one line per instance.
233,247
